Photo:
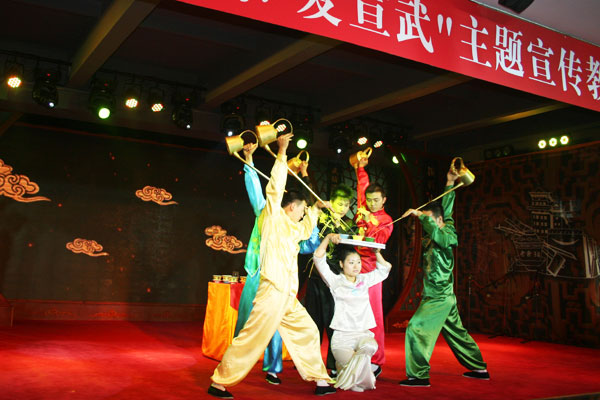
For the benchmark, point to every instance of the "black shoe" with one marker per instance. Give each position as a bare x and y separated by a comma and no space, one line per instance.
273,380
324,390
222,394
377,372
477,375
414,382
333,373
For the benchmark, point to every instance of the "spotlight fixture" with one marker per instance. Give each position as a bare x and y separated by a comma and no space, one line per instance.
362,140
395,160
262,114
44,89
102,99
339,139
553,142
303,132
183,115
376,134
156,99
497,152
132,96
232,121
13,73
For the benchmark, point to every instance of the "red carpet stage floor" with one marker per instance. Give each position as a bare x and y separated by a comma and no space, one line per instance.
135,361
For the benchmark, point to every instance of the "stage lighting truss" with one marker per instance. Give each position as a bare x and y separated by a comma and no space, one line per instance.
13,74
45,92
102,99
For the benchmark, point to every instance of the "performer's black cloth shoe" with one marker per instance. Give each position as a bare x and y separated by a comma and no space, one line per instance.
377,372
273,380
477,375
222,394
333,373
415,382
323,390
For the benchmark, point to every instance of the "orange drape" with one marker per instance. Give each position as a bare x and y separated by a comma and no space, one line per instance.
221,316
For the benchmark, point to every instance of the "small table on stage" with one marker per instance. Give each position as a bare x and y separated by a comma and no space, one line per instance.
221,316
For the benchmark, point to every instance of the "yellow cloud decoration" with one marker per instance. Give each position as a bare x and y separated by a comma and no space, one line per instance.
16,186
221,241
88,247
157,195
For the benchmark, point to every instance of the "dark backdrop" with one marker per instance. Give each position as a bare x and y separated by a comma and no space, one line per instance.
157,254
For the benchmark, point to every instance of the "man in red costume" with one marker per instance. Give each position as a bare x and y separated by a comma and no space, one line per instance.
372,221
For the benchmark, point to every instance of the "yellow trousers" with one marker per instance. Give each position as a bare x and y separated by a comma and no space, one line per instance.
273,310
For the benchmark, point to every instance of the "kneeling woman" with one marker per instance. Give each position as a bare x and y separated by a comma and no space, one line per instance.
352,344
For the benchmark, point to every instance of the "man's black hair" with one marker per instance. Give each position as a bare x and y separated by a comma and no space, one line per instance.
436,208
342,191
293,196
375,187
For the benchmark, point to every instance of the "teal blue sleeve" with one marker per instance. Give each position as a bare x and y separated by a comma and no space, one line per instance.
257,198
309,245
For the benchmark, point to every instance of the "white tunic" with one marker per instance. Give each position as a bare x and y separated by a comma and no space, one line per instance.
353,311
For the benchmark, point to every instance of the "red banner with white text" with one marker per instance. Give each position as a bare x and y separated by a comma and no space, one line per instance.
456,35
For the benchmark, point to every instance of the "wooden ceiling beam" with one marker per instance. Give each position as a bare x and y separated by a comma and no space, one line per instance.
392,99
490,121
284,60
12,118
120,19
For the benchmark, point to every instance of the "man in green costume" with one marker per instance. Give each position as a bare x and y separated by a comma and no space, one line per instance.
438,311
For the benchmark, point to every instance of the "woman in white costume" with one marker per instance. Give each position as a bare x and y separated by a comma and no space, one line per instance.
352,344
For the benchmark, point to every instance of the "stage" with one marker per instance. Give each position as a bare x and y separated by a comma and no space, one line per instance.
133,361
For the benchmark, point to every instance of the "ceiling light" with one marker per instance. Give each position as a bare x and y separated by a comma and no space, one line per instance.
102,99
44,90
13,73
183,115
132,96
156,99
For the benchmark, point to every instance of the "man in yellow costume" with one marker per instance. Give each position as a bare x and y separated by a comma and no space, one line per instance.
275,306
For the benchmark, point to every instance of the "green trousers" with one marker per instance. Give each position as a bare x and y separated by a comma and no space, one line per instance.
432,316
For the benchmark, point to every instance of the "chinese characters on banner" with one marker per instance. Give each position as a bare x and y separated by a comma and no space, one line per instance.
455,35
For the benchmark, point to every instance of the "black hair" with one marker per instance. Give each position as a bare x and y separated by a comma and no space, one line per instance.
342,251
293,196
375,187
436,209
342,191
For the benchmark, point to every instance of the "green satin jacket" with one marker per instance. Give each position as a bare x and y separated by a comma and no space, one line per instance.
438,257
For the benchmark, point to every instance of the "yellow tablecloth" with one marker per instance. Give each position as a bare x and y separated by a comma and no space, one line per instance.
221,316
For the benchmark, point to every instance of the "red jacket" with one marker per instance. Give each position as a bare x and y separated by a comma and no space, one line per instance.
372,229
